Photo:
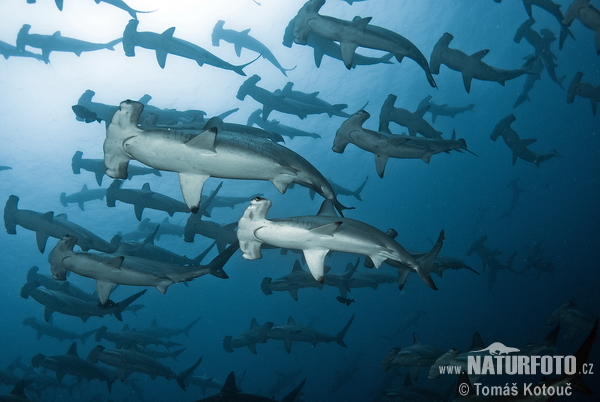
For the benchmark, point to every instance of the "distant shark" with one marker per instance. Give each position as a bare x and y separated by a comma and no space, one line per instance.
353,34
243,40
58,43
588,15
165,44
470,66
585,90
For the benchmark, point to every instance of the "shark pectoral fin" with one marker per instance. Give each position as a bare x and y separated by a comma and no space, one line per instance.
402,276
41,238
294,293
191,188
138,208
318,54
283,180
328,229
348,50
380,162
238,49
315,259
161,57
287,346
266,111
480,54
414,372
467,78
515,157
528,142
378,259
48,314
250,249
104,288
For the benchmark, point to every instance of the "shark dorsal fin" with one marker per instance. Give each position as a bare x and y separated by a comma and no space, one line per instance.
327,209
253,323
115,262
169,33
480,54
57,33
297,267
48,216
126,328
477,343
361,23
407,381
154,323
230,388
291,321
84,188
215,122
245,31
416,339
73,350
146,188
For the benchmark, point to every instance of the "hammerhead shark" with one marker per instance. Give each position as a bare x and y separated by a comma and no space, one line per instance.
517,145
164,44
589,16
58,43
352,34
470,66
415,122
317,235
212,153
585,90
243,40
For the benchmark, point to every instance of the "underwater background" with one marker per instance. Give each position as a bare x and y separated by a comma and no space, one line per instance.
466,195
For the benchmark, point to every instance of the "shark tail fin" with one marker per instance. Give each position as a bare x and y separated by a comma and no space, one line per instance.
186,330
110,45
176,354
227,344
85,335
291,397
180,378
339,338
216,265
428,260
240,69
123,304
356,193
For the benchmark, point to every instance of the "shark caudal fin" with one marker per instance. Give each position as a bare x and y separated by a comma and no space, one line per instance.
339,338
426,262
216,265
291,397
186,330
123,304
180,378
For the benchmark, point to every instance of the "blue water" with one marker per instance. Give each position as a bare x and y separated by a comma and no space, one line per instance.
559,205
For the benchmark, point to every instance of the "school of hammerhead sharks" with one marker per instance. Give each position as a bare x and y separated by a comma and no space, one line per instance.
183,141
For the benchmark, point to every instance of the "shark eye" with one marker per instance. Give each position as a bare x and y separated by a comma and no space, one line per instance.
256,199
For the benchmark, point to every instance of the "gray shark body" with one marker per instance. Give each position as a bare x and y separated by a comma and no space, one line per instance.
243,40
276,127
123,6
384,146
536,69
317,235
471,66
70,363
58,43
541,43
97,167
163,228
415,357
196,158
589,16
62,302
571,316
585,90
297,279
518,146
131,360
414,122
312,103
125,337
142,199
326,47
8,50
353,34
291,332
83,196
164,44
47,225
110,270
443,110
256,334
222,234
489,259
166,332
48,329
